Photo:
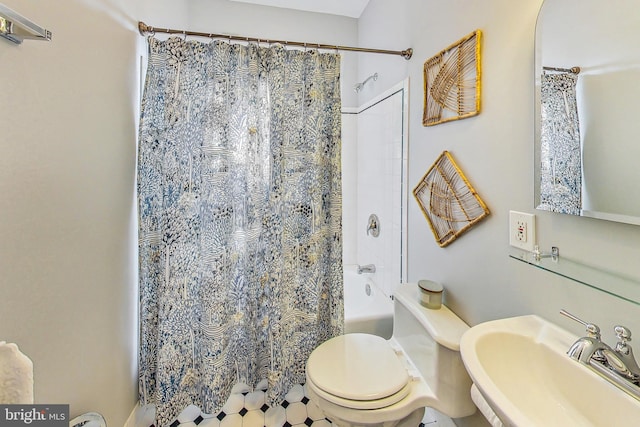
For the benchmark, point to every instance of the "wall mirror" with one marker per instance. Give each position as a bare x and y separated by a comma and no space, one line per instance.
587,136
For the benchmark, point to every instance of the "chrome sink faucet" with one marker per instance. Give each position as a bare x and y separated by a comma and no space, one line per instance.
369,268
589,347
618,365
627,367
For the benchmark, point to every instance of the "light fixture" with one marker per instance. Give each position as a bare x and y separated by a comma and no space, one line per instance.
17,28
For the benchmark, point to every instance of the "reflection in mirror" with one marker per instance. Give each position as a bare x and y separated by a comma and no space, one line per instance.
560,159
587,127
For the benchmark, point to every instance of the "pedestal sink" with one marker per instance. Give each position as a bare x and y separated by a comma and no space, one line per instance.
521,368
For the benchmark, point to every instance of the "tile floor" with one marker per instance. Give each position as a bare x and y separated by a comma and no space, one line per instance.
247,408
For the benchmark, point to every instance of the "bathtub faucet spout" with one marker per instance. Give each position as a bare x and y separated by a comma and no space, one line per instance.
369,268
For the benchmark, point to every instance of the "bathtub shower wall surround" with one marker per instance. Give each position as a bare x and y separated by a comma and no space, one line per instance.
381,167
367,308
349,185
374,167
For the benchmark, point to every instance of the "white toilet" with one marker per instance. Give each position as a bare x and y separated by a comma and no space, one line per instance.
365,380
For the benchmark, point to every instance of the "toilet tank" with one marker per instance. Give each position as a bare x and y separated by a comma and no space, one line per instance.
431,340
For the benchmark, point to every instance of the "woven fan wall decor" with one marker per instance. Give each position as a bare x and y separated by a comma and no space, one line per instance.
452,82
448,201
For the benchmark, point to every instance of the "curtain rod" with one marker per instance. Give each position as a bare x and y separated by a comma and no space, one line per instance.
144,28
574,70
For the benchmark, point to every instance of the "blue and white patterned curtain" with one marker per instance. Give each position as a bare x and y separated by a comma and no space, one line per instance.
240,206
561,150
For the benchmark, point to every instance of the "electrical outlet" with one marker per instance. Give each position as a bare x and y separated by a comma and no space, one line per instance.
522,230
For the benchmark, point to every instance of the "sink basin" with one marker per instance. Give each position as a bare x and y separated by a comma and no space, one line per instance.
521,368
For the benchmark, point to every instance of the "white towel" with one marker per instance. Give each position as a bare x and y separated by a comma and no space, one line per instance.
16,376
484,407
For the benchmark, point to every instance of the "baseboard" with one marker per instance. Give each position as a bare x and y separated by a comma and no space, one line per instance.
131,421
141,416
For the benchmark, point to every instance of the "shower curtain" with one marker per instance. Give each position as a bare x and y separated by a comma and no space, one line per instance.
240,240
561,151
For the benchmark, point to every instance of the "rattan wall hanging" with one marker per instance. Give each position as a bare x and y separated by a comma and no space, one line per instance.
452,82
448,200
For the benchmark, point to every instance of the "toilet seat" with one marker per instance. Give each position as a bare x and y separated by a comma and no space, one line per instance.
358,371
362,404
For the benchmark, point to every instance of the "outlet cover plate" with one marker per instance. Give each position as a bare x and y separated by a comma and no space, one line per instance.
522,230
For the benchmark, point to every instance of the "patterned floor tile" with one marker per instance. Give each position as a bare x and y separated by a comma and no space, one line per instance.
254,400
231,420
295,394
234,404
275,417
190,413
296,413
433,418
248,409
209,422
314,412
253,418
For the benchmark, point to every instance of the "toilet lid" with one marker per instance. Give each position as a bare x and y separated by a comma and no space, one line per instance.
359,367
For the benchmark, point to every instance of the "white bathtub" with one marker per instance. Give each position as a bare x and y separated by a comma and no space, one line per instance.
372,314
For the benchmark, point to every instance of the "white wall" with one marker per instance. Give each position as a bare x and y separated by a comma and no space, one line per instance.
495,151
67,162
383,26
227,17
